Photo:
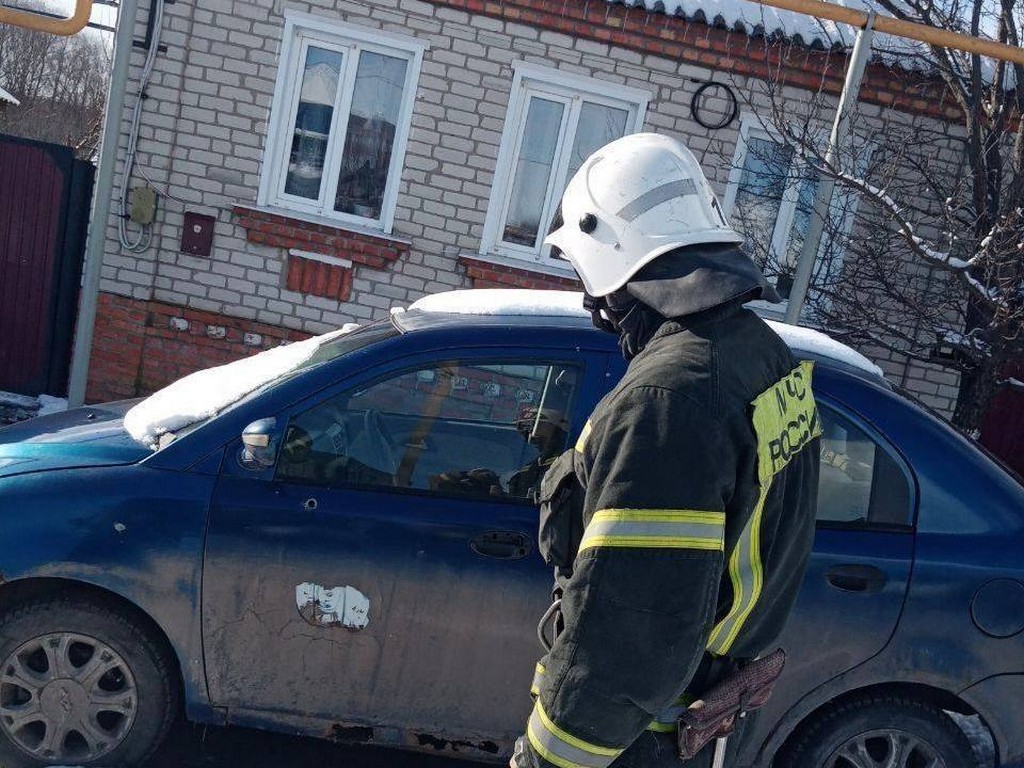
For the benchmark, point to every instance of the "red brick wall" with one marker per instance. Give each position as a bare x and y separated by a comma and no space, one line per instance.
137,350
377,251
485,274
332,281
723,50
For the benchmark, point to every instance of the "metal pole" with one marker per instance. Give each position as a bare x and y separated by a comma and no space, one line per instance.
823,198
103,193
913,30
44,21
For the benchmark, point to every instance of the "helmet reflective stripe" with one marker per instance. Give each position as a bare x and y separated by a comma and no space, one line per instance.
631,201
656,197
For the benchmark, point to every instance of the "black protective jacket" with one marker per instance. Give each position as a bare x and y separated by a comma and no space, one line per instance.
698,477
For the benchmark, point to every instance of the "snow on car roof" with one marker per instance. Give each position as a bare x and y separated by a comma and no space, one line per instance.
522,302
205,393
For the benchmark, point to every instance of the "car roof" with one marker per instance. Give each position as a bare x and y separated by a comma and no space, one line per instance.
524,308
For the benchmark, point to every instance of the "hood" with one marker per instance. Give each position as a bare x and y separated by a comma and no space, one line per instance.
700,277
83,437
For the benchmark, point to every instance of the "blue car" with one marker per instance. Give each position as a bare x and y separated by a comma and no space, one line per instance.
342,543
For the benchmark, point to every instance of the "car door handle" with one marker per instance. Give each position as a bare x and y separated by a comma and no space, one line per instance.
503,545
856,578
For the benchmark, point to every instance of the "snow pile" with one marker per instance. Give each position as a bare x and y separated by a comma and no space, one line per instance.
20,407
205,393
526,302
48,405
505,301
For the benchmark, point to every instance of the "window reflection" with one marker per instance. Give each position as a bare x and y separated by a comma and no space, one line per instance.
312,129
454,429
370,137
533,171
598,125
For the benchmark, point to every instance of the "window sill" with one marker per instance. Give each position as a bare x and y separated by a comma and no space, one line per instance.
286,229
489,271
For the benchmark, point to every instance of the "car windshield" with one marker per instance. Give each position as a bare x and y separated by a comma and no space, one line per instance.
192,401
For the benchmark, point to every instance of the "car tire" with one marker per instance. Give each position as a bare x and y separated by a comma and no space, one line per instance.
870,732
82,682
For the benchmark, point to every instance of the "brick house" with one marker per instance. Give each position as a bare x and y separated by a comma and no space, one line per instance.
352,156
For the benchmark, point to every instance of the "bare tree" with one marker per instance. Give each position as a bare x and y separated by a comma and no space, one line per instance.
934,267
60,82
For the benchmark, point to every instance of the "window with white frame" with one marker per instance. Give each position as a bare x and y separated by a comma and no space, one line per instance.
339,121
769,201
554,122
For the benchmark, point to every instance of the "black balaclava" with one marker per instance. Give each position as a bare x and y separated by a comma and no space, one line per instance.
633,321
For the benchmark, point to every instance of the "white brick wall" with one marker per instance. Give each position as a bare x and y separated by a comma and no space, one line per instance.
205,123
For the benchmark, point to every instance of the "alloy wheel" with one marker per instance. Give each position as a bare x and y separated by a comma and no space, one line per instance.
67,697
885,748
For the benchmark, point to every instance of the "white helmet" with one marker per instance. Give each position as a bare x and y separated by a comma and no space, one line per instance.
631,201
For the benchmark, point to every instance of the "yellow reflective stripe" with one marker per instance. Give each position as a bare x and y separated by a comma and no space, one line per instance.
785,419
652,542
659,727
667,720
662,515
538,675
582,441
747,578
563,749
656,528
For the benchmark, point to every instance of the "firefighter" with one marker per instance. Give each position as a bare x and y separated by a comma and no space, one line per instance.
681,522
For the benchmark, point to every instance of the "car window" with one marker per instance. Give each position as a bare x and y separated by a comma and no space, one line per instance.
457,428
859,481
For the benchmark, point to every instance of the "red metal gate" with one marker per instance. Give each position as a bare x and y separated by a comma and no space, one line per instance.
1003,429
44,210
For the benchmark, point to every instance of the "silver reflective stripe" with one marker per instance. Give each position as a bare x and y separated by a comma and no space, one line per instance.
746,575
657,196
662,528
562,749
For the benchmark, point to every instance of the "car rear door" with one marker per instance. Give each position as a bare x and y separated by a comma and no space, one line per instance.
856,581
387,573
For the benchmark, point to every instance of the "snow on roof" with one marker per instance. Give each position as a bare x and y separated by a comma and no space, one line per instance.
5,96
817,343
521,302
205,393
758,20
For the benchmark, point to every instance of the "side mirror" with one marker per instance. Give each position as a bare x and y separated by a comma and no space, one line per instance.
259,445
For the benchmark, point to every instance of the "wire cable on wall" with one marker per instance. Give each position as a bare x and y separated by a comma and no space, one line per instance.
145,237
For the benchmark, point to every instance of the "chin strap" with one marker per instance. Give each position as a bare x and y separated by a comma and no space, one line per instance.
600,313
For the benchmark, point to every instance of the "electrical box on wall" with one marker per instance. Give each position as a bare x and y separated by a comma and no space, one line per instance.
143,205
197,234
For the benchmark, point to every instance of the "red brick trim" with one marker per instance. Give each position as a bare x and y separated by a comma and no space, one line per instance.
701,44
375,251
141,346
318,278
486,274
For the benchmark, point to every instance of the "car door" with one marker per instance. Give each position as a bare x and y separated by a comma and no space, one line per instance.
386,573
857,578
